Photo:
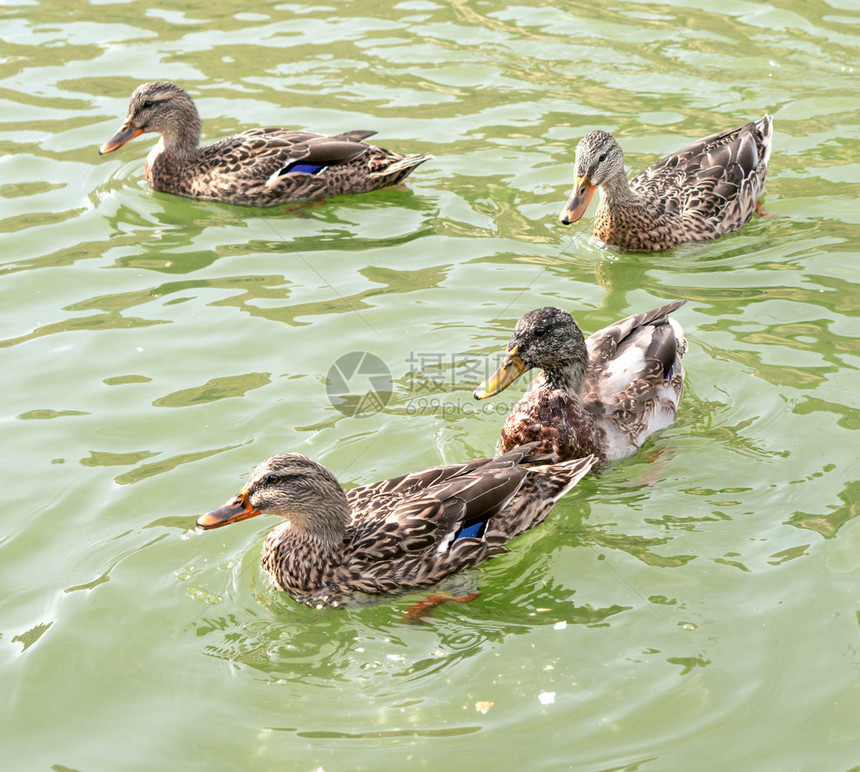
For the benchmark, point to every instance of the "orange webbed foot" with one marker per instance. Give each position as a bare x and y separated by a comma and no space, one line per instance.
418,612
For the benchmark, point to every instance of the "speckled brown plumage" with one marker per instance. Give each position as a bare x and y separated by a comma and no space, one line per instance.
259,167
704,190
603,395
396,534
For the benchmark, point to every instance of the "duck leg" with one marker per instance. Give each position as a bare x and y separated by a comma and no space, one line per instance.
303,207
762,212
418,612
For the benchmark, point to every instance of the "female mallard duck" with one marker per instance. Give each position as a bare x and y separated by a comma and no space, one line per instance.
706,189
259,167
603,395
395,534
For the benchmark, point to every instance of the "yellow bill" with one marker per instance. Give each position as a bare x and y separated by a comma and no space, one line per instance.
511,368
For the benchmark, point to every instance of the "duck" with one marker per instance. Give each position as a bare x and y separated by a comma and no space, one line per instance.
391,536
258,167
603,395
706,189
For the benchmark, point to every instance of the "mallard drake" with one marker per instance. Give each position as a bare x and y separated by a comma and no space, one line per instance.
259,167
393,535
706,189
603,395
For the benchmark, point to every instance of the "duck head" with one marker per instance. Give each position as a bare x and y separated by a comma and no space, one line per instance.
161,107
293,487
547,338
598,158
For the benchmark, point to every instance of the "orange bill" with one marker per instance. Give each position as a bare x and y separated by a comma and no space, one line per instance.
511,368
127,131
579,200
232,512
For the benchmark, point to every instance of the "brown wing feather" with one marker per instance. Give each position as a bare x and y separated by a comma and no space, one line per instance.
416,545
258,154
444,495
635,379
603,345
326,151
251,155
716,179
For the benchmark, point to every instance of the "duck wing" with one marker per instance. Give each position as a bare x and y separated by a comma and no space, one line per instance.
716,179
610,342
635,378
405,530
318,153
441,520
269,154
388,500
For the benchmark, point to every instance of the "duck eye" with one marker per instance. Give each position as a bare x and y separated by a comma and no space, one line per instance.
602,158
272,479
147,104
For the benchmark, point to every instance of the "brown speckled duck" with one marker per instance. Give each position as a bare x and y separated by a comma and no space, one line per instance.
706,189
603,395
389,536
259,167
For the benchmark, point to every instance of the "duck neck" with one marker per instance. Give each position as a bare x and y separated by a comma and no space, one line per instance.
182,139
567,376
616,192
309,543
324,522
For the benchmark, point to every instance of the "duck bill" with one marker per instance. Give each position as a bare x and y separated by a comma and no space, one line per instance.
232,512
127,132
511,368
579,200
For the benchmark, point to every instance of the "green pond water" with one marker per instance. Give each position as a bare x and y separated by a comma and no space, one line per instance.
696,606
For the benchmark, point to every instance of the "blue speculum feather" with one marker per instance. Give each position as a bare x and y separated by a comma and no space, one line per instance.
306,168
472,530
